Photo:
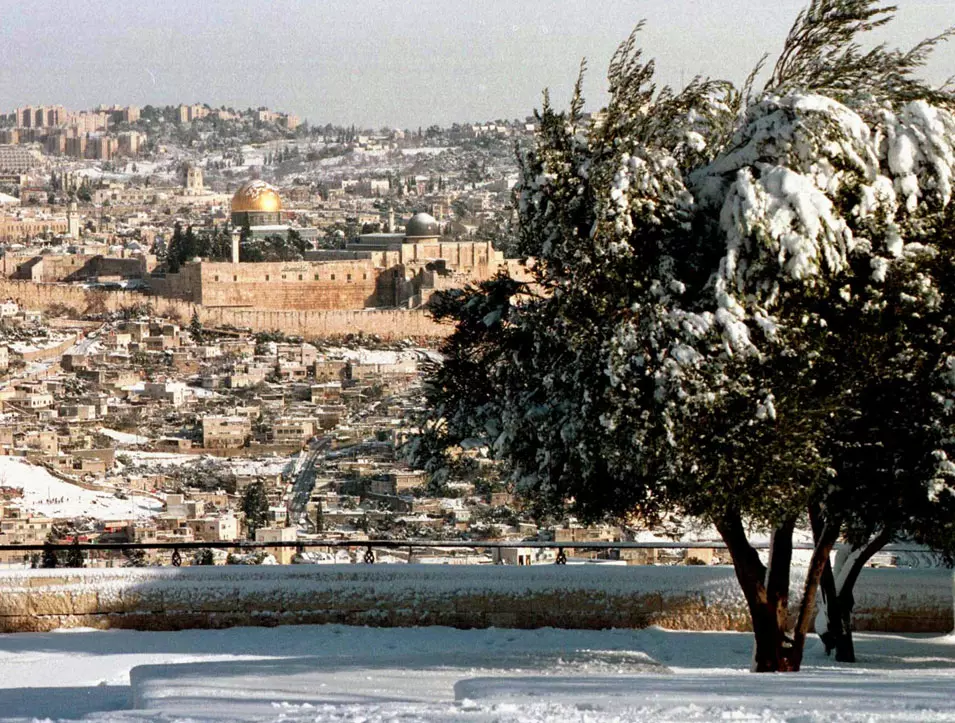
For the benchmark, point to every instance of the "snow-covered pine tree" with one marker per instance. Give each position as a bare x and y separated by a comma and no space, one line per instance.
255,506
195,327
734,292
48,558
74,557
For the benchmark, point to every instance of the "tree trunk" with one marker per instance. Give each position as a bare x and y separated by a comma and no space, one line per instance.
767,592
771,644
807,606
837,591
765,598
835,631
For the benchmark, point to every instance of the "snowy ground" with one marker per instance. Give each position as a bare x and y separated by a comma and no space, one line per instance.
267,465
337,673
124,438
44,494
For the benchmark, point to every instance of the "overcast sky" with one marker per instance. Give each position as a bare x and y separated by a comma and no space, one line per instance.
385,62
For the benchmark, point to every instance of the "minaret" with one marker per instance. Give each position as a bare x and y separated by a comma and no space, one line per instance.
72,221
236,237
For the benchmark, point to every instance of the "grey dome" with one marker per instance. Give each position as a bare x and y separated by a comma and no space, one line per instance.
422,225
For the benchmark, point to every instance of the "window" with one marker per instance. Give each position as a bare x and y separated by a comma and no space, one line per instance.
267,277
316,277
283,276
235,277
349,277
333,277
217,277
299,277
364,277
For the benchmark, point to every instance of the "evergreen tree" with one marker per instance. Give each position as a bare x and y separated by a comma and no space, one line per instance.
49,558
718,273
255,505
74,557
174,250
205,241
247,251
296,244
190,246
195,327
203,557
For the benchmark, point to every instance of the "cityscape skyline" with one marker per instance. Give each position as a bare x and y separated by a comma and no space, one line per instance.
368,63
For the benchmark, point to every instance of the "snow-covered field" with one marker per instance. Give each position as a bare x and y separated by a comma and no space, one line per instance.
337,673
379,356
44,494
123,438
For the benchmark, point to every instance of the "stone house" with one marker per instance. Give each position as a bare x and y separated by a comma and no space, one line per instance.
292,431
225,432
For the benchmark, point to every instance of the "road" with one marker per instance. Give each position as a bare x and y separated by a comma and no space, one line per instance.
304,480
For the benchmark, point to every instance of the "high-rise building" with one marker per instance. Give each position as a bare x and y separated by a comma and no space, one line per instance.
102,148
55,144
120,113
43,116
76,146
25,117
129,143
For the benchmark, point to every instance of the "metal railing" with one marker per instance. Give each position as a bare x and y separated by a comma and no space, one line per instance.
62,550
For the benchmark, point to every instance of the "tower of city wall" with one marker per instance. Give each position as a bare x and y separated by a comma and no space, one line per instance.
388,324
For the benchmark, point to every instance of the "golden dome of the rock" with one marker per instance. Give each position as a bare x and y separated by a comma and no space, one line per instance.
256,195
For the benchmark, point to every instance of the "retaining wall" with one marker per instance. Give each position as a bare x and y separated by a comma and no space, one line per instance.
50,352
465,596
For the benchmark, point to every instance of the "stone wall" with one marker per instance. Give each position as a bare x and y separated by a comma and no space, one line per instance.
50,352
386,323
465,596
293,285
298,285
69,267
12,229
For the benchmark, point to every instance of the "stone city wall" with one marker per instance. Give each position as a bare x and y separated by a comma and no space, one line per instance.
69,267
298,285
387,324
293,285
463,596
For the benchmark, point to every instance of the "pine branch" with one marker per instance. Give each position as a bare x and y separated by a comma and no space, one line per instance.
821,55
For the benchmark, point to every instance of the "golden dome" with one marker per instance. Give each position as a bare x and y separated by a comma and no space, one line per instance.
256,196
